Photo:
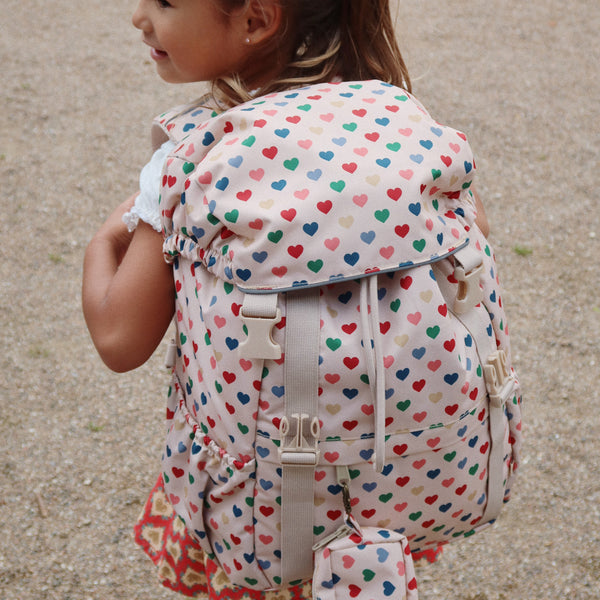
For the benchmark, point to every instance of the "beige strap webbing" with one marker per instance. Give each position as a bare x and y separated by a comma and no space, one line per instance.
299,433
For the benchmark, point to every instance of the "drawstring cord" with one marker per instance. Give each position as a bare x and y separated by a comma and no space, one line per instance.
371,338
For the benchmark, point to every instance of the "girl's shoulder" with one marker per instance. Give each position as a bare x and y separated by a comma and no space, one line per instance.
177,122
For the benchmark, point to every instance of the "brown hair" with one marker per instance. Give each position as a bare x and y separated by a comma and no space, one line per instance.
349,39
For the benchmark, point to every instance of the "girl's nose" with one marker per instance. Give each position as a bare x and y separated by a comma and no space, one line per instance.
138,18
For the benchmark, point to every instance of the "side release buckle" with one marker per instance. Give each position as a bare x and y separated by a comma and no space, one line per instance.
498,379
300,447
260,314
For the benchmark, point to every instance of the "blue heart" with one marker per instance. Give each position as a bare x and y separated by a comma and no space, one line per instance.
209,138
310,228
402,374
427,144
244,274
415,208
279,185
222,184
232,343
260,257
236,161
388,588
243,398
351,258
315,175
451,378
367,236
418,353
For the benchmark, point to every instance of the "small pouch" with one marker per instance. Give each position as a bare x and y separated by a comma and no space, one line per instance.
364,564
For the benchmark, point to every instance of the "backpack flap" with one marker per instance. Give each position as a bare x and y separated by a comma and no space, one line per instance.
282,192
364,563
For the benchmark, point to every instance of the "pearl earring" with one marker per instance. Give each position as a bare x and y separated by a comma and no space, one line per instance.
248,41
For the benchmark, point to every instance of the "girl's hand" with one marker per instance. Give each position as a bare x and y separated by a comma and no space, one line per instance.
115,232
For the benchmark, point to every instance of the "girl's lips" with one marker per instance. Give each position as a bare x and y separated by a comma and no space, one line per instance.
157,54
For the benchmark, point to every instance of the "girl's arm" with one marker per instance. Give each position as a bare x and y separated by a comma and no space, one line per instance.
128,292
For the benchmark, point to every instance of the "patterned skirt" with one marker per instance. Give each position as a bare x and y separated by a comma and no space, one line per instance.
185,568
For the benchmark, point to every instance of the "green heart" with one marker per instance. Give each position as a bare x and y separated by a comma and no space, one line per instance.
386,497
433,332
436,173
419,245
218,387
435,204
182,338
450,456
394,147
368,574
350,126
318,530
212,219
291,164
395,305
305,107
401,98
333,343
249,141
188,167
243,428
473,469
382,215
232,216
315,265
415,516
337,186
403,405
275,236
249,501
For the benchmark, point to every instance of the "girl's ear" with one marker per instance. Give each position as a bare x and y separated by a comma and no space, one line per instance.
262,20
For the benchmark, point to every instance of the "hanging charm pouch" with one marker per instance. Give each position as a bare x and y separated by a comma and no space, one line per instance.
364,564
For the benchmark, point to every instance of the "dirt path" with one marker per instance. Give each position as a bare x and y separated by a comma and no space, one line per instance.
80,446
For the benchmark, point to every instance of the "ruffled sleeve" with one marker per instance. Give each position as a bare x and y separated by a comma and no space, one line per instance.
146,205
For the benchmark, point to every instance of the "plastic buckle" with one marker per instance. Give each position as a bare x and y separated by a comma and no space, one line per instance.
259,343
498,379
298,451
469,293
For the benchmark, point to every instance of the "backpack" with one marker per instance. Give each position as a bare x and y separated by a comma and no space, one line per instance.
342,376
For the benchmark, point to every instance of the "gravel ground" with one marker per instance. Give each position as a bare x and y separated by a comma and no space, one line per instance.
80,446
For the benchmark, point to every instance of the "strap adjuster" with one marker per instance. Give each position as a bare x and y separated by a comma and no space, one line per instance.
467,271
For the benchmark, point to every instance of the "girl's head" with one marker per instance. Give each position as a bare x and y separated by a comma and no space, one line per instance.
242,45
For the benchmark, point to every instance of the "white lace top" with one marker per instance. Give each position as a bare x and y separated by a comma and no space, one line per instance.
146,205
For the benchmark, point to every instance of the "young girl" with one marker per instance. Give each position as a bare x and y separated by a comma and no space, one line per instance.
246,49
